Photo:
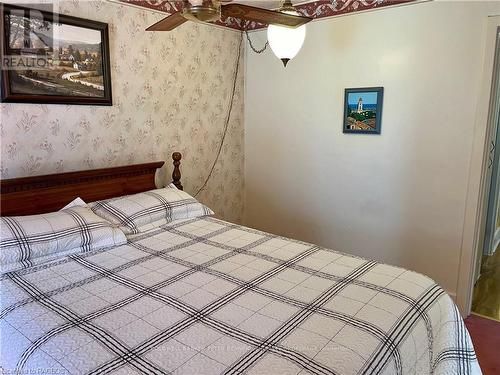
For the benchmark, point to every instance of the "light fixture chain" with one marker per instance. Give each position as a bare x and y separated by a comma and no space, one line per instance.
252,46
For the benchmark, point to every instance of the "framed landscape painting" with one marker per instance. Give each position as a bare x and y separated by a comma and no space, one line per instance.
363,110
52,58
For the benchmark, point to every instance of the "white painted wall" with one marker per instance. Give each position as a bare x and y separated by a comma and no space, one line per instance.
398,197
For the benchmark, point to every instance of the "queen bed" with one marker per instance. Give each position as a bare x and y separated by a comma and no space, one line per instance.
168,288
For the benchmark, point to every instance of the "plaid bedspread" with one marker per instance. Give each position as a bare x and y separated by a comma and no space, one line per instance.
202,296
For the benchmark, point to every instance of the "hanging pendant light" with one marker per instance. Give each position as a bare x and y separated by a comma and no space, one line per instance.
284,41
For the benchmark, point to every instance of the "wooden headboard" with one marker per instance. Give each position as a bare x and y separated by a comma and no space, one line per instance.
48,193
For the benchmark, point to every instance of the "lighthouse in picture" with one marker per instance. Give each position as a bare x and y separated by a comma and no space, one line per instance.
360,105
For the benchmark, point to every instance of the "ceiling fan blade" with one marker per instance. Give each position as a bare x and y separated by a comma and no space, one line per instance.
169,23
249,13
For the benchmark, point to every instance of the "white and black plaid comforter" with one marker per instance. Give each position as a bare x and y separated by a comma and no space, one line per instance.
202,296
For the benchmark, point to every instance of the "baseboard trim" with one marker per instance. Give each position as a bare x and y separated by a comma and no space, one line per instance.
496,240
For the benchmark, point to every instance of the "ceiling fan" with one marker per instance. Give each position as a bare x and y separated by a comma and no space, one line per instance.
214,10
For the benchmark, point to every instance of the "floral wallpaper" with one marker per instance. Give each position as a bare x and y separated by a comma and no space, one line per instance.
171,92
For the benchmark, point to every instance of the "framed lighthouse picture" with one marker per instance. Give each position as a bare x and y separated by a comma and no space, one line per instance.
363,110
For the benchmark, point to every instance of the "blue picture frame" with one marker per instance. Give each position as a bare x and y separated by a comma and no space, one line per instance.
363,110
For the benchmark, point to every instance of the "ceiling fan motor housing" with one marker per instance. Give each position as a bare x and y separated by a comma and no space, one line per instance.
202,11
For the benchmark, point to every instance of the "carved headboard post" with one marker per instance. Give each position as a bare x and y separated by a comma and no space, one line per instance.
176,174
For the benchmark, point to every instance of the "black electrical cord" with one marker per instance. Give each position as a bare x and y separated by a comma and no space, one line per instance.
226,124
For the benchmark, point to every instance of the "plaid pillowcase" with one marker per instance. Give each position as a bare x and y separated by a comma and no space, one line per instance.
144,211
30,240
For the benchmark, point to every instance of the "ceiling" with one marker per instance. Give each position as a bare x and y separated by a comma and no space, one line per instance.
314,9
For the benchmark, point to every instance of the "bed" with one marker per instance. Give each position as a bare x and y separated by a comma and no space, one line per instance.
203,296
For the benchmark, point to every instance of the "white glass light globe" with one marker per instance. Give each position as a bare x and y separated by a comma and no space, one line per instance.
286,42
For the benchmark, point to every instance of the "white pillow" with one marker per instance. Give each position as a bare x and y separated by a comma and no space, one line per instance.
74,203
30,240
141,212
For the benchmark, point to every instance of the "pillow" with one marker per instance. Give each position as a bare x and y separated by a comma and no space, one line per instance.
75,202
29,240
141,212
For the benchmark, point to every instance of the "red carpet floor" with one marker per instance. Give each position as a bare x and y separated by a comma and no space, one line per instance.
485,335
